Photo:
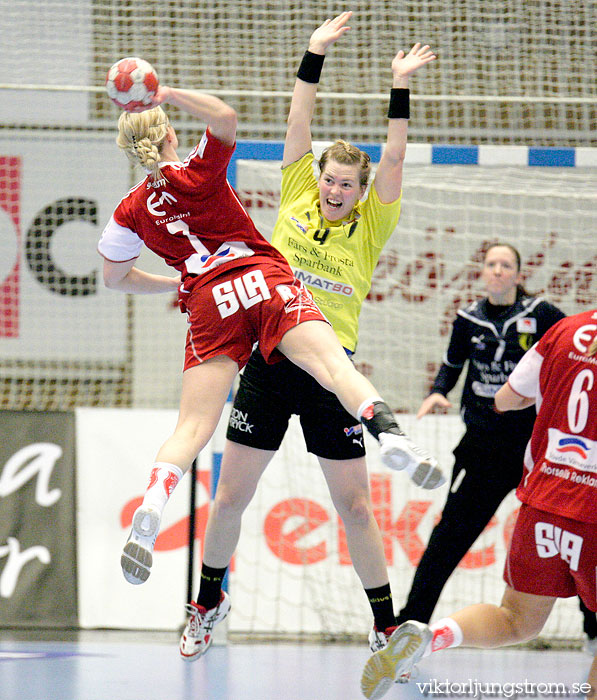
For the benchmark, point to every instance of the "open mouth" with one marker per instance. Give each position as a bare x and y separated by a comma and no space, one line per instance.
333,203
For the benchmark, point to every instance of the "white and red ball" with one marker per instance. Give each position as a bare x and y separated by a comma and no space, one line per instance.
131,83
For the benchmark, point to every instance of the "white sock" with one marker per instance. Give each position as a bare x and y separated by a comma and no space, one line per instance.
365,405
162,481
446,634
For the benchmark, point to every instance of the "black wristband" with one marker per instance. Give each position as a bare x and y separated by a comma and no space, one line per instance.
310,68
399,103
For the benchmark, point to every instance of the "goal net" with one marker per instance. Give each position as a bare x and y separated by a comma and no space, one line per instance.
294,547
513,73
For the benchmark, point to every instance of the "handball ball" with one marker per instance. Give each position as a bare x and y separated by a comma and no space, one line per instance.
131,83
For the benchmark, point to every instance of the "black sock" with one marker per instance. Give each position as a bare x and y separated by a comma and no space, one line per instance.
380,600
210,588
380,419
590,621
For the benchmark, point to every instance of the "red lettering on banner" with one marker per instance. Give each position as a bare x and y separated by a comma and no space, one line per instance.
425,277
285,543
290,522
403,530
406,529
10,194
259,199
177,535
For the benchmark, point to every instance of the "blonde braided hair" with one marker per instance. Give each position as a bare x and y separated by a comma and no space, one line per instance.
141,136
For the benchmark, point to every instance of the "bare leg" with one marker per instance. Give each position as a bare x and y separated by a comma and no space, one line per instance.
242,467
314,347
519,617
349,488
205,389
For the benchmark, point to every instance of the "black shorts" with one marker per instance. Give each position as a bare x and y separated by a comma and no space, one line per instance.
269,394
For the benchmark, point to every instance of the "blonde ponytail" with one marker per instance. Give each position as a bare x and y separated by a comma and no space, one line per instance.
141,136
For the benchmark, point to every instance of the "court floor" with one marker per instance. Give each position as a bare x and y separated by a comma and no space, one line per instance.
131,666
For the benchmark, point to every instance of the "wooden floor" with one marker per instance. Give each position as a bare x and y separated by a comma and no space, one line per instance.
134,666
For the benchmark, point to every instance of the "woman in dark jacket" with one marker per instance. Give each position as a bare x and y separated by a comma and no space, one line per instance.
492,334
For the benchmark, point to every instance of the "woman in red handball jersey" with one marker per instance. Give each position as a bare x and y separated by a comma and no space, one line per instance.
235,287
553,553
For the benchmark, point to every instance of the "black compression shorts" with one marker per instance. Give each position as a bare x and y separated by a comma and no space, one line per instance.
269,394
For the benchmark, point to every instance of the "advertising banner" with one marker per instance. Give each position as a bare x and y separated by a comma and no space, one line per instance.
116,449
55,198
37,520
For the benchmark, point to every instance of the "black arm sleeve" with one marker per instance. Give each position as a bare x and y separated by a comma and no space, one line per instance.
549,315
445,379
456,355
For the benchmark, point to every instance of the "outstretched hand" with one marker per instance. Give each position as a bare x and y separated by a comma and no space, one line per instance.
435,400
329,32
404,65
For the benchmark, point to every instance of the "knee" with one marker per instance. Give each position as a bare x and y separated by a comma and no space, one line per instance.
229,501
357,512
195,432
522,627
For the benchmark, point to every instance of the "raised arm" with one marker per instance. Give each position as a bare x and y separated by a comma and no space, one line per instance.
388,179
219,117
298,132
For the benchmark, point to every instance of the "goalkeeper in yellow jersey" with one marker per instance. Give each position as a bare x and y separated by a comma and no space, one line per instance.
332,240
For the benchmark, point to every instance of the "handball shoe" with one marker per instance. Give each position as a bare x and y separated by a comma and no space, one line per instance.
379,640
395,661
137,557
399,452
197,636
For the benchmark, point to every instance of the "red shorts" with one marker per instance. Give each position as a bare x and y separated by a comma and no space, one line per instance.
552,556
232,311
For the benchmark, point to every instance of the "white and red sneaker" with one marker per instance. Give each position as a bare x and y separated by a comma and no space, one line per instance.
197,636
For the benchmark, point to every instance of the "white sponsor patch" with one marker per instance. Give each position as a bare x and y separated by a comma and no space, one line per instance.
571,450
526,325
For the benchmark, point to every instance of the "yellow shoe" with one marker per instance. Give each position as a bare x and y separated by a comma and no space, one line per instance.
404,649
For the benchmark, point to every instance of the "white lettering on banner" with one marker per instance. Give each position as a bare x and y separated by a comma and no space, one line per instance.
551,541
251,288
40,459
15,563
